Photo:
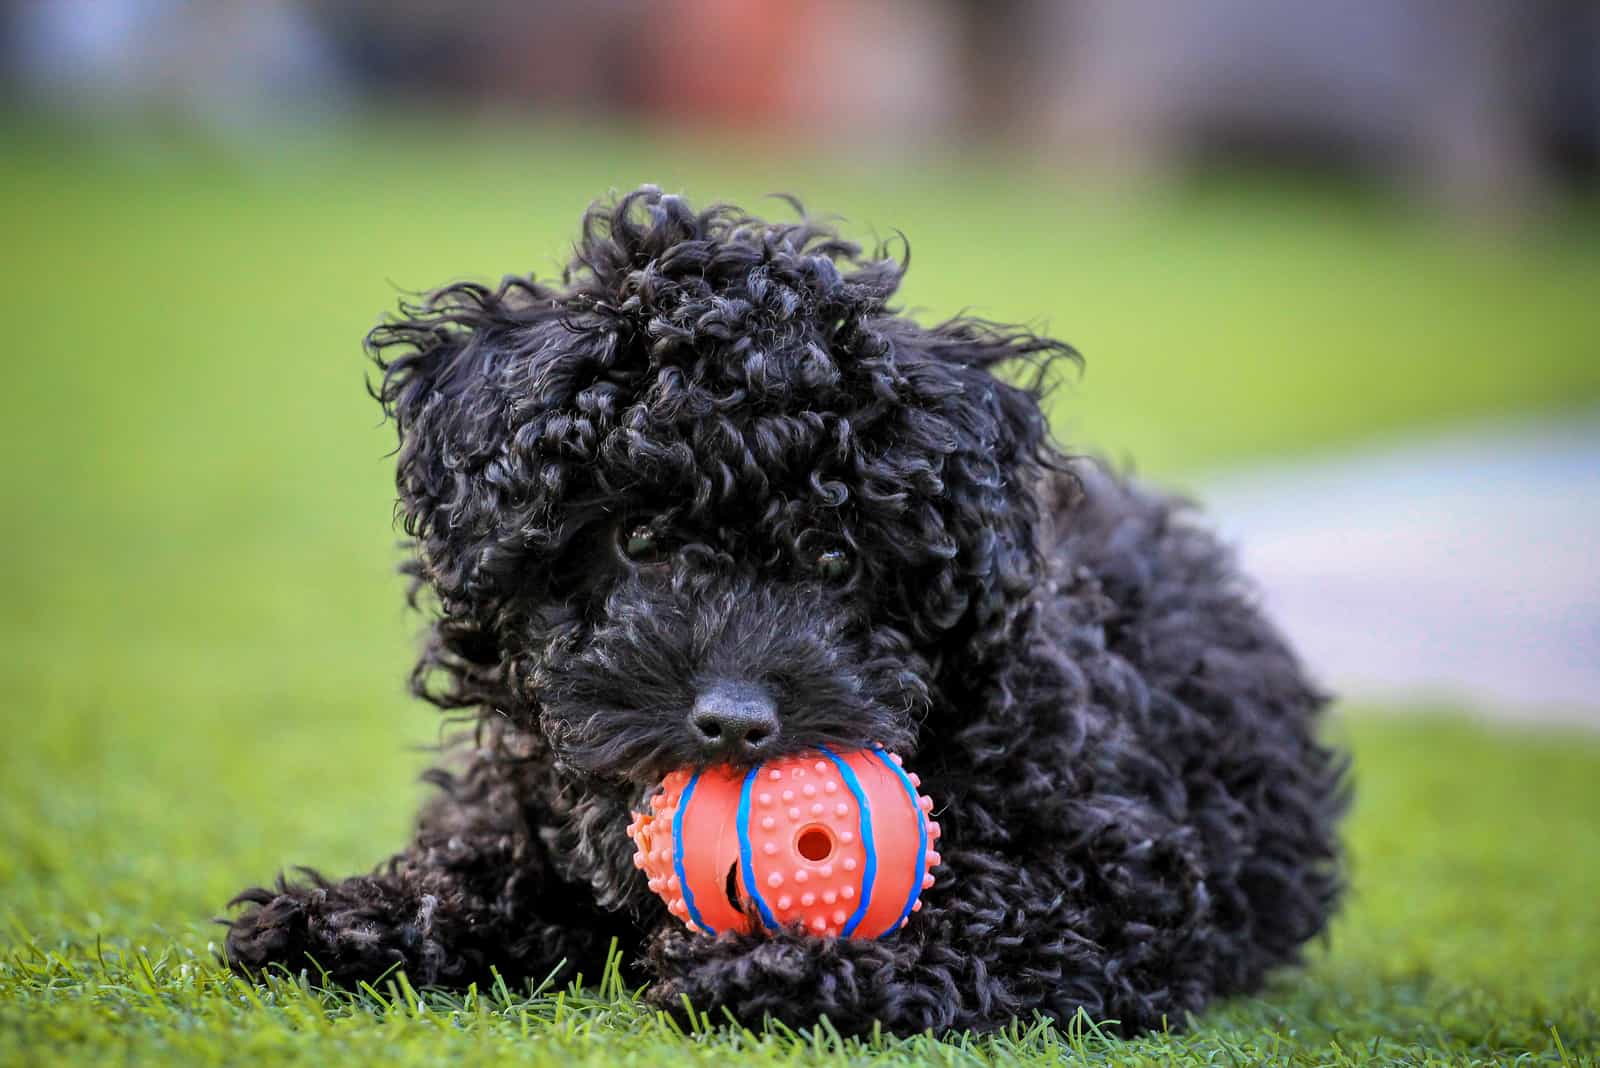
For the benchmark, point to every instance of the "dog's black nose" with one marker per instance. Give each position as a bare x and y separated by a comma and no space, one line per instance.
735,720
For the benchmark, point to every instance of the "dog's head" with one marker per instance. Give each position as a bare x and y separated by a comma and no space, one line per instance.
710,499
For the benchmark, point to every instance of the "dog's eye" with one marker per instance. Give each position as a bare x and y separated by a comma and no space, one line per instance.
833,564
642,544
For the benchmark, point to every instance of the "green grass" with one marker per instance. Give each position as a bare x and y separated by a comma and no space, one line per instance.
1471,935
205,642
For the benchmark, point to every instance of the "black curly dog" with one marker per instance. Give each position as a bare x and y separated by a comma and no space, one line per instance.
711,499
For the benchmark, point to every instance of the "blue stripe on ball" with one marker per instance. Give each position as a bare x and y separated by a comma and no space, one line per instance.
746,864
922,838
677,856
870,873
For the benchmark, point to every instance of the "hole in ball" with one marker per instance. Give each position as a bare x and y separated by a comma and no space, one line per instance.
814,843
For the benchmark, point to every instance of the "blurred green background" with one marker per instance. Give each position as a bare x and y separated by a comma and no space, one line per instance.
205,638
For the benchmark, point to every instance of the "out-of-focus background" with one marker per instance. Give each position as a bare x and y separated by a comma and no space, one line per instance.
1335,269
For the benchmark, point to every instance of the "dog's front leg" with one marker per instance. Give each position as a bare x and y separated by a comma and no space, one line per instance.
795,978
952,966
475,890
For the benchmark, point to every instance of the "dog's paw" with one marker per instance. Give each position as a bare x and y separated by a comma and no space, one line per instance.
339,931
273,930
794,978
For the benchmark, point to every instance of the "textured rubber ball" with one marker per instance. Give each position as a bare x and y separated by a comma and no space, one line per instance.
837,844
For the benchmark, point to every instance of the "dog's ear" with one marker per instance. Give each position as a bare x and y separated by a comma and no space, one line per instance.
449,363
446,362
994,477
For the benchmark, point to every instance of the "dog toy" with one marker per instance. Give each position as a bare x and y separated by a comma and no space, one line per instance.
839,843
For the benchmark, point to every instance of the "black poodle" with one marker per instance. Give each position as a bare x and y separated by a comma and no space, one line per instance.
712,500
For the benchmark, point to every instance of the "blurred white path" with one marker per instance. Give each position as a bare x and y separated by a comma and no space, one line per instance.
1465,567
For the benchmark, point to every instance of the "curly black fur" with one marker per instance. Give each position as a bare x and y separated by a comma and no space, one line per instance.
1137,815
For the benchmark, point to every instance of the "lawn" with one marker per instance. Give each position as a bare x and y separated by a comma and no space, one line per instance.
206,641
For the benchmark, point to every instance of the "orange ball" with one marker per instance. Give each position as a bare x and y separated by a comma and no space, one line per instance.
839,843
